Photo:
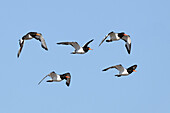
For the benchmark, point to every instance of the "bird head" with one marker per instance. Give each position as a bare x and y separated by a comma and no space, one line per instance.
122,34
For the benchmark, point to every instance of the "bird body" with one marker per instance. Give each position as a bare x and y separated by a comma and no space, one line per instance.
29,36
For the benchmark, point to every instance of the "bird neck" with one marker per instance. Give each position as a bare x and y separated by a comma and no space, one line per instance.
130,70
86,49
62,77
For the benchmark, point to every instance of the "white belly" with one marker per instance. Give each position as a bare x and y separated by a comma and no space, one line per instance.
80,51
57,78
124,72
115,37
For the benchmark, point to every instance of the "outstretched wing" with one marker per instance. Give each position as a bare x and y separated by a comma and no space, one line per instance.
20,49
104,39
74,44
68,79
111,33
128,47
118,67
53,75
88,43
127,39
43,79
43,44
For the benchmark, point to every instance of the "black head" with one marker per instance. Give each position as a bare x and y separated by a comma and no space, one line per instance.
35,34
87,49
132,69
65,76
122,34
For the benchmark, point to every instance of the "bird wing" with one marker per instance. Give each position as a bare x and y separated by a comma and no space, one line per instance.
88,43
43,79
43,44
109,34
118,67
68,79
128,47
20,49
74,44
53,75
104,39
127,39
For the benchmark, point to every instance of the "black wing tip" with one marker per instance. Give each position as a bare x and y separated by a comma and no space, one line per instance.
104,70
60,42
17,55
135,65
91,40
127,49
67,84
110,32
129,52
45,48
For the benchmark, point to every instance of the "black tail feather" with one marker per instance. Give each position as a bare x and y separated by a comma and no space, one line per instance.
118,75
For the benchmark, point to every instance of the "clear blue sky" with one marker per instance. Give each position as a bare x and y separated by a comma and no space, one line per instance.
91,90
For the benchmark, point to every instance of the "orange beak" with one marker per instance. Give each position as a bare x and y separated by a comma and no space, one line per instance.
90,49
38,34
125,35
67,77
134,70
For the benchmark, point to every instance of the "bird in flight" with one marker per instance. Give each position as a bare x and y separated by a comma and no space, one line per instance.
78,48
57,78
31,35
122,70
117,36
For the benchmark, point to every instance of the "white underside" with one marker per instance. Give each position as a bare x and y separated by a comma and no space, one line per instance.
124,72
79,51
115,37
56,78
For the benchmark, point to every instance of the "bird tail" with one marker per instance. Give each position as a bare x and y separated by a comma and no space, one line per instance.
118,75
108,40
49,80
73,52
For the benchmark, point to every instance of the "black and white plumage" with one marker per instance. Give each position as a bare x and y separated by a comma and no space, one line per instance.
127,39
113,37
118,36
78,48
29,36
122,70
57,78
